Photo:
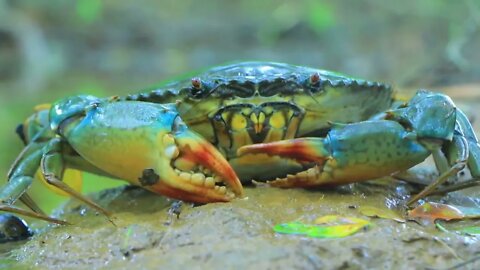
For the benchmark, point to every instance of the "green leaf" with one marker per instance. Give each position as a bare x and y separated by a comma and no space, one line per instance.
371,211
330,226
320,16
470,230
292,228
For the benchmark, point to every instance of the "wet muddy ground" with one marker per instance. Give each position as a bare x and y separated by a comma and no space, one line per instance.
236,235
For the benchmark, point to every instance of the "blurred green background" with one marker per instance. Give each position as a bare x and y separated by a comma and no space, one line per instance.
54,48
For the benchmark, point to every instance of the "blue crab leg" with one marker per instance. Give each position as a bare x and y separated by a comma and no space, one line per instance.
458,149
444,130
461,151
473,146
445,157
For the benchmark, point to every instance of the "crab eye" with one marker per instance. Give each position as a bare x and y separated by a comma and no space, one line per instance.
200,89
196,83
196,89
314,78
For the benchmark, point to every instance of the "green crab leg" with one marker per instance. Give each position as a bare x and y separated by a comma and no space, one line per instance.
463,150
52,168
20,211
20,175
30,203
456,152
20,179
473,145
459,186
440,180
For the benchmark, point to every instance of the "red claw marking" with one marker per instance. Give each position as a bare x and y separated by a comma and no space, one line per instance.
303,149
209,157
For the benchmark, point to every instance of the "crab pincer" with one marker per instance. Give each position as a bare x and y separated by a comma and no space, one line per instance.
194,171
303,150
429,124
148,145
349,153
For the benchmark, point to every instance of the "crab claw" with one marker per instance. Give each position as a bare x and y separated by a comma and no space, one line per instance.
149,145
302,149
194,174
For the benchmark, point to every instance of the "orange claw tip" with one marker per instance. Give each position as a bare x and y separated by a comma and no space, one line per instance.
209,157
197,195
202,152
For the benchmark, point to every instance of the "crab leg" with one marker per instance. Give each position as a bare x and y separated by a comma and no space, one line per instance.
47,154
456,153
30,203
440,180
21,174
349,153
473,145
52,166
463,150
20,211
20,179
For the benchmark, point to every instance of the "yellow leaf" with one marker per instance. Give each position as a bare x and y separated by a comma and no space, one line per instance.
371,211
330,226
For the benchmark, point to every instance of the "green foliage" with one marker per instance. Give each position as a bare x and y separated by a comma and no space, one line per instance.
320,16
316,16
89,10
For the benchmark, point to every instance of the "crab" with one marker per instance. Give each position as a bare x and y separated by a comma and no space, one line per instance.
198,140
